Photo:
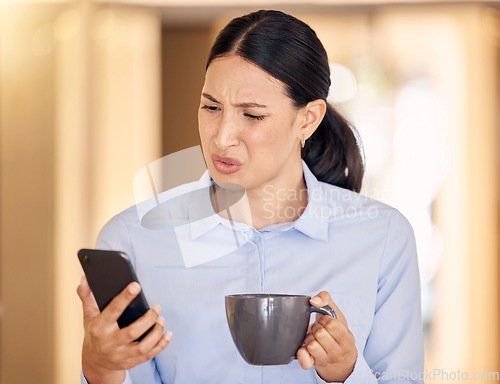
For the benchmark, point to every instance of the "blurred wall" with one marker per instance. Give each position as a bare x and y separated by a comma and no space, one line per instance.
27,225
184,52
80,115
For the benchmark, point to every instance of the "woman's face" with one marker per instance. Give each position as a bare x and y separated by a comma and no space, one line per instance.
249,127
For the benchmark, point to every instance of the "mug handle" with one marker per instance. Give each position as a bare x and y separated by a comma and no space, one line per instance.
326,310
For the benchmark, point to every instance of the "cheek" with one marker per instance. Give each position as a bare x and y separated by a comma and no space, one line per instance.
204,128
277,135
265,146
260,139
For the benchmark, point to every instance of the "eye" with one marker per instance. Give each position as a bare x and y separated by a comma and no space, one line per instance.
255,117
210,108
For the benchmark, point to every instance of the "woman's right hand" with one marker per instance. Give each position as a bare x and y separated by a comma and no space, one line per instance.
108,350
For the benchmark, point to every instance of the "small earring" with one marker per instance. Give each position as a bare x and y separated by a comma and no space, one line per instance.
346,171
303,141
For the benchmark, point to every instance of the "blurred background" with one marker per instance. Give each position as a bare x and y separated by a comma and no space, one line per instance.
92,91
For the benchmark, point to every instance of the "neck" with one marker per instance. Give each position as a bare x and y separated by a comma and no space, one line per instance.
272,204
278,204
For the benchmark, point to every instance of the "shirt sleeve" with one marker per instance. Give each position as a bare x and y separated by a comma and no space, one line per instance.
361,374
394,349
115,236
127,379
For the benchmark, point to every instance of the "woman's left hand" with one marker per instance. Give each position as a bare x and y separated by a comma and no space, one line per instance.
329,344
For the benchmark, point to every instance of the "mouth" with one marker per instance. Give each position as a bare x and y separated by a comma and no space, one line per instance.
226,165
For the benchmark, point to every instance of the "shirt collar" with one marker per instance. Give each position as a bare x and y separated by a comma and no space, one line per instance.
313,222
201,226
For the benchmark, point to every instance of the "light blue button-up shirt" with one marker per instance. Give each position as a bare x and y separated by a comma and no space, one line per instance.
359,250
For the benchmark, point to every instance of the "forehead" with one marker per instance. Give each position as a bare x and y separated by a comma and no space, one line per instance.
233,77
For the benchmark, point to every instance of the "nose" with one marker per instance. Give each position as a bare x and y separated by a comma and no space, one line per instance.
227,134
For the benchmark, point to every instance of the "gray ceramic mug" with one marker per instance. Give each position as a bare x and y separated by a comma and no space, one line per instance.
269,329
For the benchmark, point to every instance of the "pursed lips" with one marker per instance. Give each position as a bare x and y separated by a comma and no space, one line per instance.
226,165
226,160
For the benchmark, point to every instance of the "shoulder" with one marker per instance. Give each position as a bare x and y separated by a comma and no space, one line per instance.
375,219
131,221
119,222
344,204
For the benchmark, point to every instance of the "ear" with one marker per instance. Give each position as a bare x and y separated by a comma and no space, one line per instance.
312,116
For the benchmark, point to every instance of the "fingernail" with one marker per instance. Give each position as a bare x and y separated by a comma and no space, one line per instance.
161,321
315,300
134,288
168,336
156,308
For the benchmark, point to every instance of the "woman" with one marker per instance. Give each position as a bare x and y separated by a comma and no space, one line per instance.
265,125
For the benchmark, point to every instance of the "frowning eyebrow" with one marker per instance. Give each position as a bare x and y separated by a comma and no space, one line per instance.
240,105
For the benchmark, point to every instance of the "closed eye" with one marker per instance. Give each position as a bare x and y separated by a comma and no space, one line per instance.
255,117
210,107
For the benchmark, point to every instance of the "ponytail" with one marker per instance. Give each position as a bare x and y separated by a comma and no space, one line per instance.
333,152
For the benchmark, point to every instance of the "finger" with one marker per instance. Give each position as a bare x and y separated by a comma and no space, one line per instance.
128,356
323,298
316,349
319,300
154,341
149,341
133,331
90,307
121,301
160,346
323,338
306,361
339,331
155,334
328,327
138,355
308,339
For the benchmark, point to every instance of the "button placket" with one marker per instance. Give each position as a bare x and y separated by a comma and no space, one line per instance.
259,242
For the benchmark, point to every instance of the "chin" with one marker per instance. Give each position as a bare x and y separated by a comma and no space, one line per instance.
227,179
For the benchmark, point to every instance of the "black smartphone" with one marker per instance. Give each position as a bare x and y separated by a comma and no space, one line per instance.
108,273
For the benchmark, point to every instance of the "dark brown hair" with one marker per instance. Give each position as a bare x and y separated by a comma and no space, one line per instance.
289,50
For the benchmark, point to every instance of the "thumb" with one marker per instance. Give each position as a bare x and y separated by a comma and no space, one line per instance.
319,301
90,308
323,298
